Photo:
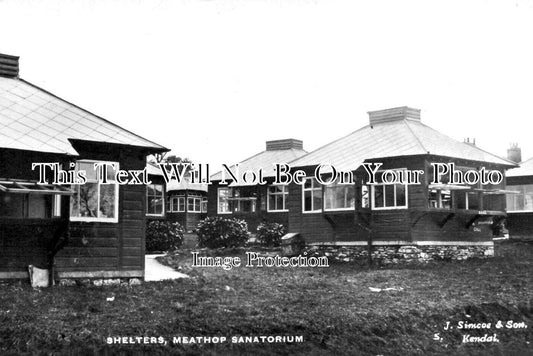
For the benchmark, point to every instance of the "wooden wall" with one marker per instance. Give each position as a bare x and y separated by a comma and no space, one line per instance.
25,241
416,223
110,249
252,219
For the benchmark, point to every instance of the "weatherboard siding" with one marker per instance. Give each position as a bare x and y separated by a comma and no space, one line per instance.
253,219
105,246
520,224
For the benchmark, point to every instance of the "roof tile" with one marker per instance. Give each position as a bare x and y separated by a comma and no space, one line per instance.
33,119
392,139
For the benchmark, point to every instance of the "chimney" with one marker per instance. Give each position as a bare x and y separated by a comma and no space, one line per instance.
285,144
9,66
467,140
514,153
394,114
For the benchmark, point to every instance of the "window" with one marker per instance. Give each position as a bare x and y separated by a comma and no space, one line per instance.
194,203
30,206
242,200
223,200
522,201
177,204
204,205
277,198
389,196
440,198
95,201
154,200
312,195
339,197
27,199
236,200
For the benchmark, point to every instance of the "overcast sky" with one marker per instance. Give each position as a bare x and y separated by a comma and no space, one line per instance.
213,80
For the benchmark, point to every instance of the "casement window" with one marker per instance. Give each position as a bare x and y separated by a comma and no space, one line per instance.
194,203
223,200
204,205
28,200
389,196
339,197
467,200
311,195
242,201
29,206
95,201
177,204
440,198
521,202
155,200
235,200
277,198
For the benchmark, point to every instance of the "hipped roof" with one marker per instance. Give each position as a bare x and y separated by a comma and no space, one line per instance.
525,169
405,137
264,160
184,184
36,120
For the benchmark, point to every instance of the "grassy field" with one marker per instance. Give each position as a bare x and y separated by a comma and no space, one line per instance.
333,308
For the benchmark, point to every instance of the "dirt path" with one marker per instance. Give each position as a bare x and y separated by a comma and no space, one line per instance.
155,271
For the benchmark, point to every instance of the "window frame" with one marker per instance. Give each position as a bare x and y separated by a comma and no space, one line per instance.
312,190
162,200
284,195
395,207
176,198
337,185
522,194
54,211
195,197
439,198
227,200
76,189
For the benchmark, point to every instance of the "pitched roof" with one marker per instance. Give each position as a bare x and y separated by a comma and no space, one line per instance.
184,184
525,169
36,120
266,161
402,137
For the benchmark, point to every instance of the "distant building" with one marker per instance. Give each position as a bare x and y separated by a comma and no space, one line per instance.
187,203
183,202
255,203
520,205
155,193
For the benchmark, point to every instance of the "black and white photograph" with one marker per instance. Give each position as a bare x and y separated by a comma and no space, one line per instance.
266,177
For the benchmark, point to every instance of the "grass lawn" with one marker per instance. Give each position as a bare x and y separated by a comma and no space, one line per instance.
332,308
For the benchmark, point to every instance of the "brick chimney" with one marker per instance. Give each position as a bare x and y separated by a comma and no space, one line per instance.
470,141
286,144
514,153
9,66
394,114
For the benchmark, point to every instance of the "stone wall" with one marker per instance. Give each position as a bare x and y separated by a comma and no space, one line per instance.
395,254
99,282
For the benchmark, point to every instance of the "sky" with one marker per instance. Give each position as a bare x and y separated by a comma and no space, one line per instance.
214,79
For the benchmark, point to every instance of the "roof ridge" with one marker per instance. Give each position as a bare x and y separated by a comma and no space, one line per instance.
87,111
526,161
472,146
415,136
329,143
258,154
